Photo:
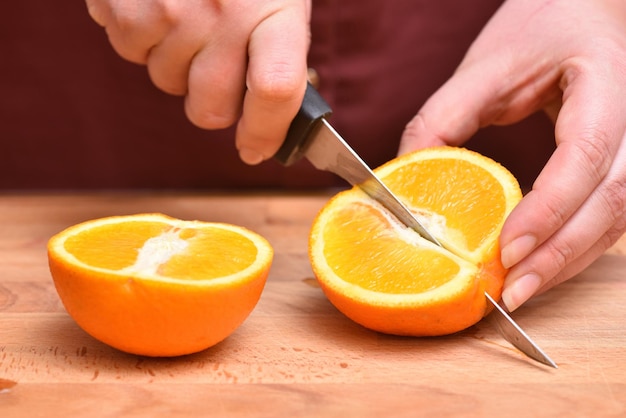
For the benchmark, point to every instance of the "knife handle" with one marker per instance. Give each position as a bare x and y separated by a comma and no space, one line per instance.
312,110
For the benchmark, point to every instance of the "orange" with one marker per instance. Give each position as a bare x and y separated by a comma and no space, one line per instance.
385,276
153,285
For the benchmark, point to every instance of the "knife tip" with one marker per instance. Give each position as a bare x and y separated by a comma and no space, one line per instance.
549,362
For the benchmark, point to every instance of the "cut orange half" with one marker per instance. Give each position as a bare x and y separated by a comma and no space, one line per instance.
153,285
385,276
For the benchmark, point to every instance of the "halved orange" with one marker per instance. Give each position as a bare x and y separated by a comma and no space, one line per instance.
385,276
153,285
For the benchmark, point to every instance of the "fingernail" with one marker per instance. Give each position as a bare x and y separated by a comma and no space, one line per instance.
250,156
516,250
520,291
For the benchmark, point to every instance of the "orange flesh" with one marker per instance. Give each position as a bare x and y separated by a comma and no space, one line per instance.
112,247
210,253
405,267
482,205
230,254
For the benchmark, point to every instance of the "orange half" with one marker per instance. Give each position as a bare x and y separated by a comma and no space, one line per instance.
158,286
388,278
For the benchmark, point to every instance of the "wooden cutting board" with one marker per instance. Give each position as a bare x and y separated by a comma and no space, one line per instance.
295,355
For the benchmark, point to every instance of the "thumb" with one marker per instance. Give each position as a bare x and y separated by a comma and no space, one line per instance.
474,97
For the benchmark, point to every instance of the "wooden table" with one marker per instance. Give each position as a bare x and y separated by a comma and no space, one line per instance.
295,355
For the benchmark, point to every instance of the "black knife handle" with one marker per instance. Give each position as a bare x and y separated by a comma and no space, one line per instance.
312,110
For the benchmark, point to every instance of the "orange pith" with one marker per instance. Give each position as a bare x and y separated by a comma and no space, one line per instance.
388,278
154,285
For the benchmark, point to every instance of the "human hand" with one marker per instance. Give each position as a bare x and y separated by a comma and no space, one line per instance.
567,57
240,59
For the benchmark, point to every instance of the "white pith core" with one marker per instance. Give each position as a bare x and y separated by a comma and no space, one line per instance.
158,250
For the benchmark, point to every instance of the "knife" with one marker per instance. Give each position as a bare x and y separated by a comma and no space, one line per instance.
311,136
513,333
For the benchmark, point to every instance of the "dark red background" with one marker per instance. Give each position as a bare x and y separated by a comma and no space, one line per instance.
73,114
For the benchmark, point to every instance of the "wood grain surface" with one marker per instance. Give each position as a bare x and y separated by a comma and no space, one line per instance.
295,355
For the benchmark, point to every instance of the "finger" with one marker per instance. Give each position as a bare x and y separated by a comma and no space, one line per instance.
450,116
169,62
518,290
135,26
216,83
593,228
589,130
276,81
586,259
501,89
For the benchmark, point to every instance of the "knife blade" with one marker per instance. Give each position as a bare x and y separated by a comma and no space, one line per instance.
513,333
311,136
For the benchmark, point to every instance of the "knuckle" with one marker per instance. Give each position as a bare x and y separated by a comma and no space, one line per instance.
127,16
135,18
169,85
554,210
593,151
170,11
618,228
620,225
560,254
609,238
207,119
613,195
276,86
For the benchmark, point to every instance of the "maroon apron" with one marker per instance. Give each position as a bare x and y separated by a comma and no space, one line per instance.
73,114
